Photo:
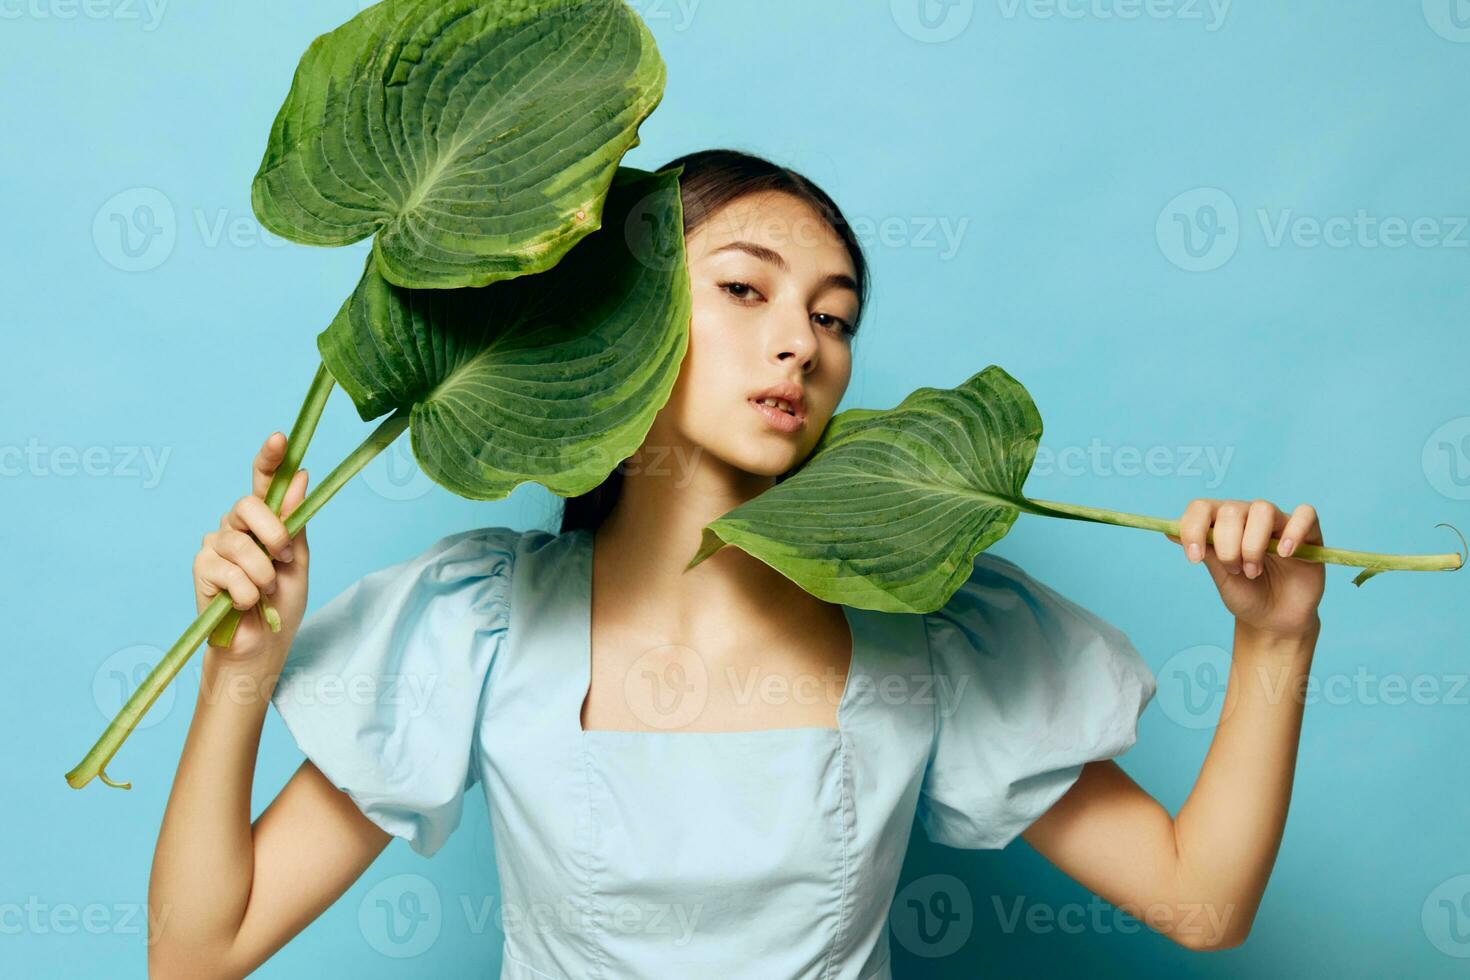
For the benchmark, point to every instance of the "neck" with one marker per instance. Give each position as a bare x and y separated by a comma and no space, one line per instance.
655,528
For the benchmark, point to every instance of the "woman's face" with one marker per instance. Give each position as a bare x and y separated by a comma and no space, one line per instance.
774,302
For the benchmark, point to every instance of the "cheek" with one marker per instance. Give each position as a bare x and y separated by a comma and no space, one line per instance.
716,352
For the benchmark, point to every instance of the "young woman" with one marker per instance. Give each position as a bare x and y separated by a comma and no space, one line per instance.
712,773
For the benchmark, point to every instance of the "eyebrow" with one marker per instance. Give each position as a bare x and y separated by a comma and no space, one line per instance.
840,280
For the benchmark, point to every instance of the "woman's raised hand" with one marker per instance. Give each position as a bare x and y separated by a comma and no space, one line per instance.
230,560
1262,586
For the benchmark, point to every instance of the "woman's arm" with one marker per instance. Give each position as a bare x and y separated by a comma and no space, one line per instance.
224,895
1199,877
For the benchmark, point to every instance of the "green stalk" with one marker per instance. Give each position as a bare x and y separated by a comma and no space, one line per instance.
296,443
159,678
1373,562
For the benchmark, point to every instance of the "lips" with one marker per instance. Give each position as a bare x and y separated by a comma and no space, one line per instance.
790,398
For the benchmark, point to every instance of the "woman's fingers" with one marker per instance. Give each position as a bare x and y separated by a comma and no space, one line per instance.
1194,526
266,461
1262,520
295,494
1301,526
240,548
251,514
215,574
1227,531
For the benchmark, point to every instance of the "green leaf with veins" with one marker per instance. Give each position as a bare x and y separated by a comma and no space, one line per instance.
475,138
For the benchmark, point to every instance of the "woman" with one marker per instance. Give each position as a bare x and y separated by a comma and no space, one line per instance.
713,773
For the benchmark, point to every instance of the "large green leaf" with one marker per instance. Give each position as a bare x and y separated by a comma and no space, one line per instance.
553,378
476,138
891,508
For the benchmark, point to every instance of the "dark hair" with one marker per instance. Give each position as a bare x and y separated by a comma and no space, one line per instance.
712,179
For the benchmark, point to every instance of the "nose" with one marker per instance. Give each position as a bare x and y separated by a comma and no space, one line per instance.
795,341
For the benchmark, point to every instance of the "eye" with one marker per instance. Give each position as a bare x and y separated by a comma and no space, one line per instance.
740,291
843,326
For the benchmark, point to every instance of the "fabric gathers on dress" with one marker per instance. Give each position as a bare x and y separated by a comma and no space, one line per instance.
1043,685
382,685
748,854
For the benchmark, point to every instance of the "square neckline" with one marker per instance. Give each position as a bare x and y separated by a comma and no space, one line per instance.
585,543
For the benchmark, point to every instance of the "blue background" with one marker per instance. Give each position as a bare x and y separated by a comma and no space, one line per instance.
1086,165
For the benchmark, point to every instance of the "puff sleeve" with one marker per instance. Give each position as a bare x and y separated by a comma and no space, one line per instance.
382,687
1035,686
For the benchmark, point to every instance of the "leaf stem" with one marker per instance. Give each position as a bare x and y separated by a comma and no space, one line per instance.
296,443
1373,561
159,678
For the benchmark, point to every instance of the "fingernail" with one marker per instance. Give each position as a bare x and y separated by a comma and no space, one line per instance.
1252,569
1233,570
270,589
1195,551
1285,547
286,553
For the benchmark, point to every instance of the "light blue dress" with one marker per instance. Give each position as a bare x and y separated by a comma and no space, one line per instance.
758,854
